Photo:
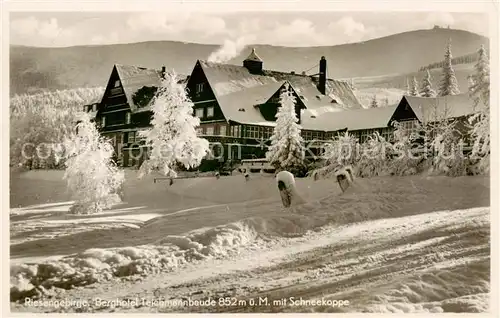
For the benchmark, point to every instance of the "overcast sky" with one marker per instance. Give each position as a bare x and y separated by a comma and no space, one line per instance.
52,29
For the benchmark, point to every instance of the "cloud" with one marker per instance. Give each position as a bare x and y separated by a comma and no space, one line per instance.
349,26
177,23
299,32
43,32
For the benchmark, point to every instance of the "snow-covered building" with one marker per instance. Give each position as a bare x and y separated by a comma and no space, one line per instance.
237,105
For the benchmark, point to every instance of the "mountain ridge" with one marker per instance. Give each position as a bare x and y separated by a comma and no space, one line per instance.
37,68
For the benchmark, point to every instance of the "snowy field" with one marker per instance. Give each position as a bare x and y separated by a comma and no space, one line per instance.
392,244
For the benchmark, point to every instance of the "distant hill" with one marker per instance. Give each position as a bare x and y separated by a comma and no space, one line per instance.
32,69
464,59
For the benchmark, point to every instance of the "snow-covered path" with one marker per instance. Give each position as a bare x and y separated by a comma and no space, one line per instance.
430,262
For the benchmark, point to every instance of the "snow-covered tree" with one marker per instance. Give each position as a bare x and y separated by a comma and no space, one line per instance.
426,88
414,87
172,139
408,88
449,84
92,177
374,102
479,88
386,101
286,150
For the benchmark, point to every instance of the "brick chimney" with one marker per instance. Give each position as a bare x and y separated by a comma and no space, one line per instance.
253,63
322,76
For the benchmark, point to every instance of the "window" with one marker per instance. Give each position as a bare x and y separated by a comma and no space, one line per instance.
127,118
252,132
409,125
199,131
235,131
268,132
307,135
199,87
117,83
222,130
210,111
199,112
131,137
94,107
103,121
210,131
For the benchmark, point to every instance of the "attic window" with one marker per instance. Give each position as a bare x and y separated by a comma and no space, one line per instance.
117,83
318,97
241,109
312,116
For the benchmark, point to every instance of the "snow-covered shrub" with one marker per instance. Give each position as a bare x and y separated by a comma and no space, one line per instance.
342,150
172,139
408,149
374,157
447,149
286,151
92,177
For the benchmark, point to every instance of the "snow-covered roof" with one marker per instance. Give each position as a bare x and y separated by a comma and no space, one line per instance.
338,93
228,78
240,106
356,119
253,56
134,78
451,106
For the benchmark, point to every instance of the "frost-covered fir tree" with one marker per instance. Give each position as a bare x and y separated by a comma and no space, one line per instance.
479,90
449,84
374,102
172,139
92,177
286,151
386,101
426,88
414,87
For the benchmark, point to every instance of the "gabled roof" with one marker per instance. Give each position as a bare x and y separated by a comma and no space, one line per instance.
338,93
227,79
133,78
355,119
432,108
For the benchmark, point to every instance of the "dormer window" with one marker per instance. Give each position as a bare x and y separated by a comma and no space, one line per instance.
241,109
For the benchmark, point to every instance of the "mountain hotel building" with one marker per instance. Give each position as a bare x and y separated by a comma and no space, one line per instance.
237,105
